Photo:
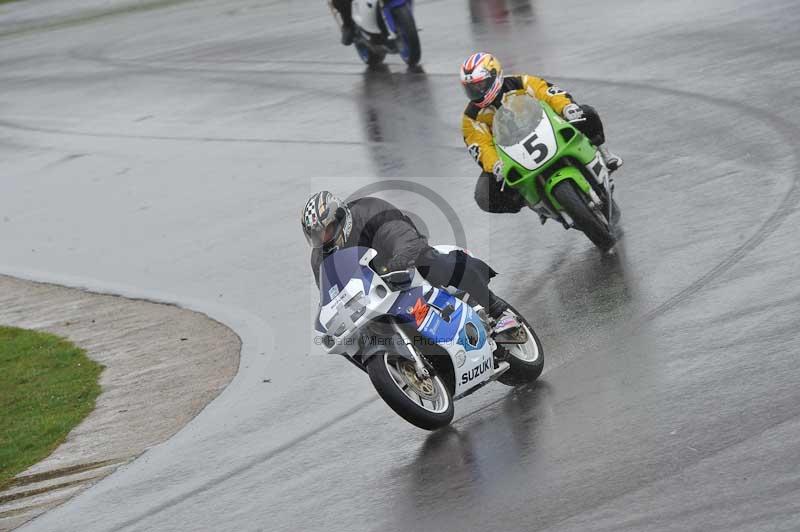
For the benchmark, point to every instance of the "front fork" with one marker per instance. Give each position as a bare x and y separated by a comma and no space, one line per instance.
419,365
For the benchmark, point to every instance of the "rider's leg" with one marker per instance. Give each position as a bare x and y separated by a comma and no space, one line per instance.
592,127
490,198
469,274
345,9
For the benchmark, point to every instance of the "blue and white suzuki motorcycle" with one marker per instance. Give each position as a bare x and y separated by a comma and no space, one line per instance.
422,346
386,26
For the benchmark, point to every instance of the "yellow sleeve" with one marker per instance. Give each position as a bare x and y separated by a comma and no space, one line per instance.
480,143
556,97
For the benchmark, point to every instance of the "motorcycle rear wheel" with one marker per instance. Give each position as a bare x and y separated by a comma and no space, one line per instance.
573,201
426,403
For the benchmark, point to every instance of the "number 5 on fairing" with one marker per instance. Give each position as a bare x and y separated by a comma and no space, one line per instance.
532,148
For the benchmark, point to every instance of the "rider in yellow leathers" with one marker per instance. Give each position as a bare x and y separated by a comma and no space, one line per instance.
484,83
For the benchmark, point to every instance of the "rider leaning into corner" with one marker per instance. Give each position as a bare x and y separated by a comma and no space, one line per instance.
331,224
483,81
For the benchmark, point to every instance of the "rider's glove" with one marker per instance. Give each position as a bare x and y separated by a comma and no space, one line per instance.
402,261
572,112
497,170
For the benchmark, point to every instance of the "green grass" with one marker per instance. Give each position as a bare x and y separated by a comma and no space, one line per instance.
47,386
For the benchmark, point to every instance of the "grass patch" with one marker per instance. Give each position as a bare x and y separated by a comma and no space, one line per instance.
47,386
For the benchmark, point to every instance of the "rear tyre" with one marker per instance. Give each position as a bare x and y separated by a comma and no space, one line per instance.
526,360
574,202
407,35
426,403
371,56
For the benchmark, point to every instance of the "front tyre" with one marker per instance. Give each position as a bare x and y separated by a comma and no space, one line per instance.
426,403
407,35
526,360
372,56
594,225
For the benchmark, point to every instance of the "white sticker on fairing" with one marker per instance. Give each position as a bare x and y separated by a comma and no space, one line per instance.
599,169
537,148
555,91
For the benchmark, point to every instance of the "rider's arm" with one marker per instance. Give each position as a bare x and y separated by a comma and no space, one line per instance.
479,140
316,260
398,244
541,89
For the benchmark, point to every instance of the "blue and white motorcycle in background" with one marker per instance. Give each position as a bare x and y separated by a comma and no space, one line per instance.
422,346
385,26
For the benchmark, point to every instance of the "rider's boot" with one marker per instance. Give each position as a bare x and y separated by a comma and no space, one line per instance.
348,33
613,161
504,318
345,10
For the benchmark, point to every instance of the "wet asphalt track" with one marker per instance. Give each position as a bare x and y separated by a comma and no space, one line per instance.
165,152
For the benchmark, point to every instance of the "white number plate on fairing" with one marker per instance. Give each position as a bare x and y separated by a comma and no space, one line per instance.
537,148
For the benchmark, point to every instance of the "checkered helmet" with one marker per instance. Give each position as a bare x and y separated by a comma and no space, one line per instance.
326,221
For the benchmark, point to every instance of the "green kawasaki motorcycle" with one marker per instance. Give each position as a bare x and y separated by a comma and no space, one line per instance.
555,168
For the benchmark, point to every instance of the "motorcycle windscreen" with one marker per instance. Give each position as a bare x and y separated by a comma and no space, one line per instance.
339,268
523,131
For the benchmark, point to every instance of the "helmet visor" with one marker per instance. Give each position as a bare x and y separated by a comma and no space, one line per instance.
477,90
327,236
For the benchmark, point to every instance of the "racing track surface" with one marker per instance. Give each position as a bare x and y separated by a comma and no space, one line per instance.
166,151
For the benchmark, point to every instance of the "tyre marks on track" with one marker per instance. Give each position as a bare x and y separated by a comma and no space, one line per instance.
786,207
768,226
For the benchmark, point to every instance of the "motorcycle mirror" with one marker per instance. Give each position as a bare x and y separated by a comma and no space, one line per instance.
367,257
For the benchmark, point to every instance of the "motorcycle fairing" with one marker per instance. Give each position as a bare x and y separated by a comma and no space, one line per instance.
535,150
459,331
439,298
338,269
348,297
365,15
339,314
520,114
451,308
473,334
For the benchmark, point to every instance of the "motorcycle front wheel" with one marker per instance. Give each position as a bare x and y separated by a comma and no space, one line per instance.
426,403
371,55
573,201
407,35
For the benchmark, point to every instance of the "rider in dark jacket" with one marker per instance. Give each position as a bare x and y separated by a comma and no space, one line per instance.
331,224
